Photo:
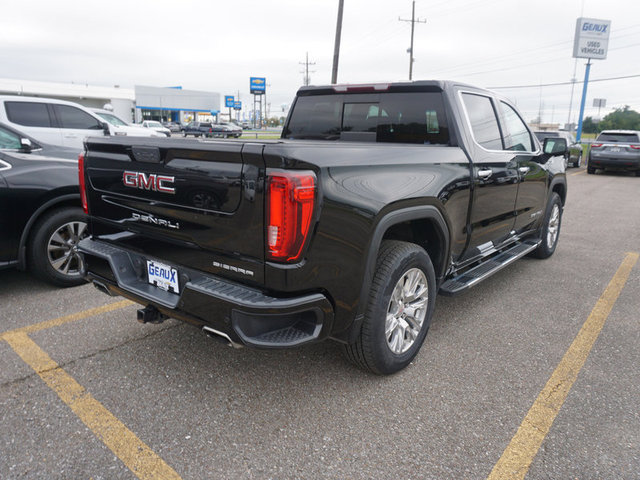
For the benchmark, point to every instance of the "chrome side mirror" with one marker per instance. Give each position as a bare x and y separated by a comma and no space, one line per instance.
26,144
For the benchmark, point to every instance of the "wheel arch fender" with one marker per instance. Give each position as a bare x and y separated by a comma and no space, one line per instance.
559,185
397,225
70,199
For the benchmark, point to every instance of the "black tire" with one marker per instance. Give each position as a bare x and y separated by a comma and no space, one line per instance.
373,349
52,246
590,170
578,162
551,228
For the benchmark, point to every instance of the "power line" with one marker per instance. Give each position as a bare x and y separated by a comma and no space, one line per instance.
562,83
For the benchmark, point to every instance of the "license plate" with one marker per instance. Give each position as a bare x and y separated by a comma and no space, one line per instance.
615,149
163,276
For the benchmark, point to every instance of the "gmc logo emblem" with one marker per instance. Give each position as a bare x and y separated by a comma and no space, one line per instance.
150,181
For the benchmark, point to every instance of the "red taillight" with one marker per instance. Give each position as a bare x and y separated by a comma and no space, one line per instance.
81,183
635,147
596,145
210,130
290,201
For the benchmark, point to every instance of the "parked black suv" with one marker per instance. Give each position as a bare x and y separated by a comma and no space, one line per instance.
41,219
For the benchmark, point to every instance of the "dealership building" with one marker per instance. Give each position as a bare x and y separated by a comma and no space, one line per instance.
130,104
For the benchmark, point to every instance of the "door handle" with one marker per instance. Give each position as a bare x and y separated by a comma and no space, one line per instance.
485,173
70,135
523,170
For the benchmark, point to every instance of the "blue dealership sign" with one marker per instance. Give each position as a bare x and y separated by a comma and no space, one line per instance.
237,105
257,85
228,101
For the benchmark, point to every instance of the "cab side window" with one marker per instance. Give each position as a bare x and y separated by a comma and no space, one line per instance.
9,140
517,136
483,119
71,117
29,114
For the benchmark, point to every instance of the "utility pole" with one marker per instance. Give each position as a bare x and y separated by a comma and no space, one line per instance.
336,47
306,64
413,22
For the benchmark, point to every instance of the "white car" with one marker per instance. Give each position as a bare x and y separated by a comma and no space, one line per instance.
157,126
51,121
117,126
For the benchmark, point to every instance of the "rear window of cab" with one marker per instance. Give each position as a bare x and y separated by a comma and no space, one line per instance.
410,117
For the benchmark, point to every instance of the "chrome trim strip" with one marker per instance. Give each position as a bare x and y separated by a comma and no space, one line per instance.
5,166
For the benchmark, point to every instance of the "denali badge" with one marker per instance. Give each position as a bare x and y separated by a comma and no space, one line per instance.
148,218
151,181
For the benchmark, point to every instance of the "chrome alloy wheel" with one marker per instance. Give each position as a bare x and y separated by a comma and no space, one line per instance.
62,248
406,311
554,226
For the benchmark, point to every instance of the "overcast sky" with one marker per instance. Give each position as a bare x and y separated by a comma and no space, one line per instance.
218,45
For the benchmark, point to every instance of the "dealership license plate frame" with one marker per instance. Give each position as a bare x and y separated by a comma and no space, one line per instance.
163,276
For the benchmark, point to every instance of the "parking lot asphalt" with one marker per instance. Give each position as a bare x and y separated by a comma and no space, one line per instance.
91,393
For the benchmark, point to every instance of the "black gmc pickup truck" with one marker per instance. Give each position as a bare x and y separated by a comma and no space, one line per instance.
376,198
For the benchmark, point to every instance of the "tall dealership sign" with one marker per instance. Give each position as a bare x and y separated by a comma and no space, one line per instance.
591,41
258,87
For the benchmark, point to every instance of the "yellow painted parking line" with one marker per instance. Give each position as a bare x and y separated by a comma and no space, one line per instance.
517,457
578,173
133,452
56,322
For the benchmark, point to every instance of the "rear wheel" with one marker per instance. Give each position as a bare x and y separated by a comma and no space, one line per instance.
590,170
551,228
53,247
399,309
578,162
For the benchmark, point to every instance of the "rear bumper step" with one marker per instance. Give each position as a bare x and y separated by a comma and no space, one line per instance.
488,267
240,314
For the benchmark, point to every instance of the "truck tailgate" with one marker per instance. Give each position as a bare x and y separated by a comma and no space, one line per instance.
196,204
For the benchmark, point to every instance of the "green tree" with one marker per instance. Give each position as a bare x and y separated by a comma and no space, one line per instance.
589,126
621,119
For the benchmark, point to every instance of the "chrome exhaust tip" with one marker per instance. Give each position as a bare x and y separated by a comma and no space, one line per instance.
220,336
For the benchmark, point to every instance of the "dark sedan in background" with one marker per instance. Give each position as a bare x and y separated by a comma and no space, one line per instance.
41,219
198,129
574,156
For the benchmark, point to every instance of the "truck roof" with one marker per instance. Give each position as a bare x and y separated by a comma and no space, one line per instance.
417,85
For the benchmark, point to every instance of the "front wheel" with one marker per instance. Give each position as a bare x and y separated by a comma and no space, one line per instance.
399,309
551,228
53,247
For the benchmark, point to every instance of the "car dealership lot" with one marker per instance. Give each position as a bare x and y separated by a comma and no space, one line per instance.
116,399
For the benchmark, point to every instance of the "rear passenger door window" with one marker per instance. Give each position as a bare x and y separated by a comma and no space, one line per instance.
483,120
76,125
74,118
